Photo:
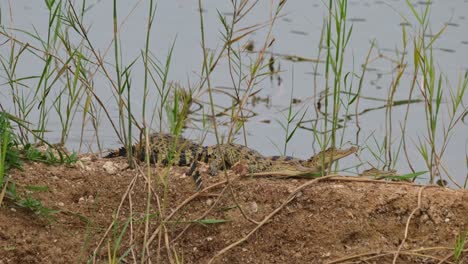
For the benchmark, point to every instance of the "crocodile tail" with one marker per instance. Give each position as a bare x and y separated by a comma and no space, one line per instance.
195,173
121,152
198,180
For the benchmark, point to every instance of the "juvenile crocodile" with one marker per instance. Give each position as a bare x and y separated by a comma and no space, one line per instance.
391,175
167,149
374,173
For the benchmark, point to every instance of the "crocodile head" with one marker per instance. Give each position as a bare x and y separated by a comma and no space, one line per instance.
324,158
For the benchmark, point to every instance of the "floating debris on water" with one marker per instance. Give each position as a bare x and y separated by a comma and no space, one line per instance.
447,50
298,32
451,24
357,19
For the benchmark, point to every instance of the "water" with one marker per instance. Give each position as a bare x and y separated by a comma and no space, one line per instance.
297,32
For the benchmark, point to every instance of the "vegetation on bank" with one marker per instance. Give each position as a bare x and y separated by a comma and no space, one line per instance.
64,90
11,156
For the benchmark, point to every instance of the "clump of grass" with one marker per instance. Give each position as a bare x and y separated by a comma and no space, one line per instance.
459,246
177,113
432,86
9,155
113,248
33,154
29,203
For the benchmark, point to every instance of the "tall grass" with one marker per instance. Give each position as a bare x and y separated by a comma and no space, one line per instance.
9,155
431,86
335,37
5,144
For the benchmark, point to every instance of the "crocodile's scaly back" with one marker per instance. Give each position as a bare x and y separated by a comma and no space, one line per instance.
163,148
231,154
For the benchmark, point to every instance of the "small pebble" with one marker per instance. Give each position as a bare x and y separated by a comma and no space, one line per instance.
253,207
109,167
424,218
80,164
86,159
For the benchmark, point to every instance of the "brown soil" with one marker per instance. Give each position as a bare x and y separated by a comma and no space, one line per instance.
325,221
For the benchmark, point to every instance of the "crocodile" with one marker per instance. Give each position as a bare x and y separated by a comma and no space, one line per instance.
167,149
374,173
391,175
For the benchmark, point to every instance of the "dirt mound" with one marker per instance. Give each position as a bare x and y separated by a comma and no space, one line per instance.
249,220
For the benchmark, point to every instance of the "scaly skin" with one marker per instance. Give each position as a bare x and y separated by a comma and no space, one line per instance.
185,152
161,148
